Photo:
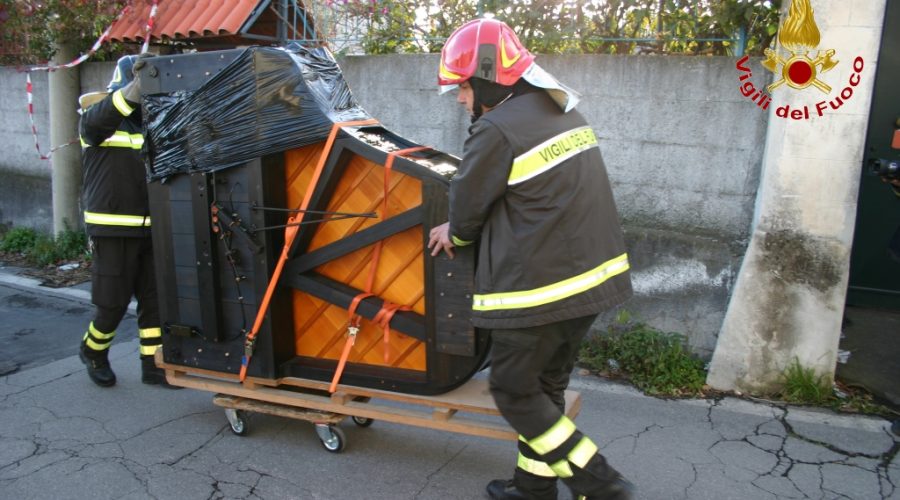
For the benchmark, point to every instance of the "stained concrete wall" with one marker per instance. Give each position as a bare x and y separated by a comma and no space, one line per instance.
25,179
682,145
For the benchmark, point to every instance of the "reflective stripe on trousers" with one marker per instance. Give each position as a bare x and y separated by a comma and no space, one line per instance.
97,340
151,339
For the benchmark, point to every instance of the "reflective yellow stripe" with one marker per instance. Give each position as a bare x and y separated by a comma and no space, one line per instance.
151,339
554,437
562,469
447,74
554,292
582,453
551,153
148,350
117,220
121,104
94,345
460,243
150,333
120,139
124,140
535,467
100,335
103,340
507,62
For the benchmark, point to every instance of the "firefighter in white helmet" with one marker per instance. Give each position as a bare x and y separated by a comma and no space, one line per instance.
533,193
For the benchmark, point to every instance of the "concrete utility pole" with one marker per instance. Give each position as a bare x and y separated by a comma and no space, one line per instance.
788,301
65,86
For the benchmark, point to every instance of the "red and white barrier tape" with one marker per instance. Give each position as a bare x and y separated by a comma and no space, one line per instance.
149,29
81,58
76,62
37,146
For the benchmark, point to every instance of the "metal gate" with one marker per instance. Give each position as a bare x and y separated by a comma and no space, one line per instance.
874,276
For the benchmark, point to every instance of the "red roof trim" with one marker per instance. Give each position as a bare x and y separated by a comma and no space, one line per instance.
183,19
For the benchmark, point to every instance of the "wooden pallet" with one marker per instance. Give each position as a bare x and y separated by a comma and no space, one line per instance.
469,409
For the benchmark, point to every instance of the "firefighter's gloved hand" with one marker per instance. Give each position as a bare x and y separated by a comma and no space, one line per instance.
140,63
132,91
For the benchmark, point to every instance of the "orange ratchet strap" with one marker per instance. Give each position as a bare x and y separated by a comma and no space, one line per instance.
290,232
388,309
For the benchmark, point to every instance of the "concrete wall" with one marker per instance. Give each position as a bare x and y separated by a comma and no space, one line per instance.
682,145
25,179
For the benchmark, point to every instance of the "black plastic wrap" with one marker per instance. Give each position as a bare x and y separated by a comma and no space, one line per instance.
267,100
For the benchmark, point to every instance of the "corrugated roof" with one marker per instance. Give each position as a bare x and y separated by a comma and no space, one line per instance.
182,19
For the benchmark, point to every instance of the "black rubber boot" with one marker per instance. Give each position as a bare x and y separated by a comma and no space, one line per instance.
505,489
97,363
618,489
154,375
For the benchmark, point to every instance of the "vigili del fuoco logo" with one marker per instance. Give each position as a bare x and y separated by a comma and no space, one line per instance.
798,70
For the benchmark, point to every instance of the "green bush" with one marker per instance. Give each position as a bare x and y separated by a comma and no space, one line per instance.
657,363
72,244
18,240
44,250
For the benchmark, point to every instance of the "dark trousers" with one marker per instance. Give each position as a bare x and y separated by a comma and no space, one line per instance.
530,371
123,268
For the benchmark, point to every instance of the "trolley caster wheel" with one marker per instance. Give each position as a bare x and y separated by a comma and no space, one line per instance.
332,437
237,421
362,421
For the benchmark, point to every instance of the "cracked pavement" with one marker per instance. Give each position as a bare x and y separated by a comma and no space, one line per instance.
62,437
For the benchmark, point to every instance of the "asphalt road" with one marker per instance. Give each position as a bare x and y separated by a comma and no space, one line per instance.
65,438
36,329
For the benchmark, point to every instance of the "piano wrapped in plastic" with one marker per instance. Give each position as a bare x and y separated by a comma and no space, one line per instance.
290,228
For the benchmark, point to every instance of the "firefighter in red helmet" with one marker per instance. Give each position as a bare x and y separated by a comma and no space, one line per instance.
533,192
117,218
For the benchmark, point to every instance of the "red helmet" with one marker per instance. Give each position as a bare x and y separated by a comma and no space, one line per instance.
476,48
